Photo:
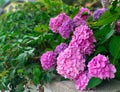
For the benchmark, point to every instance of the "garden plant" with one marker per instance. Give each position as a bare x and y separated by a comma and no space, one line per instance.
49,38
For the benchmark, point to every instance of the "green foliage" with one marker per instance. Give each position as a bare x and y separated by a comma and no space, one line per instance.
114,47
36,75
107,18
94,82
117,75
107,39
24,37
114,5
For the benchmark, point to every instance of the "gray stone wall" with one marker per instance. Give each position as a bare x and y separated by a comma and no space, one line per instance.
68,86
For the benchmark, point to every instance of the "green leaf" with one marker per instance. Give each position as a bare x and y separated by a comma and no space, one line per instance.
114,5
117,74
108,35
20,88
94,82
114,47
20,71
100,49
22,57
102,32
90,18
36,72
36,75
48,77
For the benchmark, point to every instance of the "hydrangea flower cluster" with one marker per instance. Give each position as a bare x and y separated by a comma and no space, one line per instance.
84,13
62,24
70,63
83,38
82,81
56,22
60,48
48,60
66,28
71,58
117,28
80,18
100,67
97,14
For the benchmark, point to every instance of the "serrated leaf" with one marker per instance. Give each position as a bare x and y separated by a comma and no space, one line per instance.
94,82
114,47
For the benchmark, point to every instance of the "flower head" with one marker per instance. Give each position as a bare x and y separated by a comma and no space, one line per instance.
70,63
97,14
60,48
56,22
78,21
82,81
66,28
84,13
48,60
100,67
117,28
80,18
83,38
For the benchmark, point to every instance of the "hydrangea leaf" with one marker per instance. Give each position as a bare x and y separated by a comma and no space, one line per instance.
114,47
94,82
117,74
36,75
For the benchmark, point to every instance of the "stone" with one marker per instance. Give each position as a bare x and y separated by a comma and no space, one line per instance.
69,86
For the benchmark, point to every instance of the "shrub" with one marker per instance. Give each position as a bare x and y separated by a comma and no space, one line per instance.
24,36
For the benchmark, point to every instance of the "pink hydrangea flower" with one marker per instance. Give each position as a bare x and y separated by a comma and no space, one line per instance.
83,38
82,14
80,18
70,63
57,21
60,48
117,27
100,67
48,60
78,21
82,81
66,28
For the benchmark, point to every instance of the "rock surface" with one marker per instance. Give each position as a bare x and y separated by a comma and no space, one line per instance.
68,86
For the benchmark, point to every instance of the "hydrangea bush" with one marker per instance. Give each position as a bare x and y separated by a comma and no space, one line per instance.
91,55
48,38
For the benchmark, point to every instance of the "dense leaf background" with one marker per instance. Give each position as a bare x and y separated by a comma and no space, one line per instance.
24,36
